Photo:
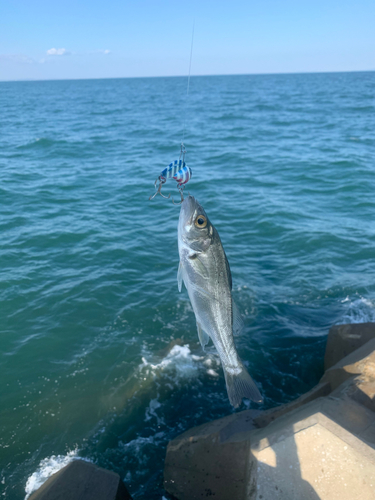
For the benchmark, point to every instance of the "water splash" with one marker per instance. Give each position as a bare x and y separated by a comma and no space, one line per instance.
360,310
179,359
47,467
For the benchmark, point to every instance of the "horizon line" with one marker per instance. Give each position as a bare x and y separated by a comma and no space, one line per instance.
185,76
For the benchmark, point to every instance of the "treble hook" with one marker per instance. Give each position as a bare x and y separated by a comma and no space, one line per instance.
161,180
181,191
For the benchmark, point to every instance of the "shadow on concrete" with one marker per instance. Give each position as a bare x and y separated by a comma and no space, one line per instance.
282,477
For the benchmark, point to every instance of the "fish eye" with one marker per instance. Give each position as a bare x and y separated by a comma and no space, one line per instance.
201,221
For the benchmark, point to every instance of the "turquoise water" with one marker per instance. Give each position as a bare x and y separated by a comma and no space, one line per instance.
99,352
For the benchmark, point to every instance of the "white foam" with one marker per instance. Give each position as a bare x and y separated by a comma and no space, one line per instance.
47,467
139,449
151,412
178,359
360,310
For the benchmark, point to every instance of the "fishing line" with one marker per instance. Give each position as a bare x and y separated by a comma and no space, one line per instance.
188,86
177,169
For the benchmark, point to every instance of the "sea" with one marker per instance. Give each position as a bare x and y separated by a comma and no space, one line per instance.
99,353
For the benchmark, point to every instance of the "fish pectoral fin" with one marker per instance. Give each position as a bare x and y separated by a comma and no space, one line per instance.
202,292
179,277
203,336
202,268
198,262
238,324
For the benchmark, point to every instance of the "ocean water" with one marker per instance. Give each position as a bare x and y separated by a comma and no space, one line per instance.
99,354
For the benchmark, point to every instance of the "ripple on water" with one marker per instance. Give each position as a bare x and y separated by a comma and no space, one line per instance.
283,165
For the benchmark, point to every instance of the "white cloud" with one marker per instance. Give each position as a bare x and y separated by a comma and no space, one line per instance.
99,51
18,58
64,52
57,52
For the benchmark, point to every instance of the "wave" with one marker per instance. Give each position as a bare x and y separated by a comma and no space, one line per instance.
39,142
360,310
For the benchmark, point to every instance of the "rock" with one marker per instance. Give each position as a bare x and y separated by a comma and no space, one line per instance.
80,480
344,339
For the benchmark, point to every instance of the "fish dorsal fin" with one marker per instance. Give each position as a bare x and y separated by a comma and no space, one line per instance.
238,324
179,277
203,336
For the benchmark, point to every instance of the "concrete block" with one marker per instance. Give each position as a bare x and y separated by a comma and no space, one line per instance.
268,416
314,464
319,451
319,447
210,460
344,339
307,455
360,362
365,394
80,480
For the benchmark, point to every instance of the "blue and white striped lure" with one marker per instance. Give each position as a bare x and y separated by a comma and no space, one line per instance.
177,170
172,169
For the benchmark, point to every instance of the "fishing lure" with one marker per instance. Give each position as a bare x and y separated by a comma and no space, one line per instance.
182,177
177,170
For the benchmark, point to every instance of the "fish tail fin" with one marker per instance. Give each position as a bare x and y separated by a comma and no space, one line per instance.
241,385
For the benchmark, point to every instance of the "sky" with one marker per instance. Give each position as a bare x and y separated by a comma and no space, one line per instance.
43,40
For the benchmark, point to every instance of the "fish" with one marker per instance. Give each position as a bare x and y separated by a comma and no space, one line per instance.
205,271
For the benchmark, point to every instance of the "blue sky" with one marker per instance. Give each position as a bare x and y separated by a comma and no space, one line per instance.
92,39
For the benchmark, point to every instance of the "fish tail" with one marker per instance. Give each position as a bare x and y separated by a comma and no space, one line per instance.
240,386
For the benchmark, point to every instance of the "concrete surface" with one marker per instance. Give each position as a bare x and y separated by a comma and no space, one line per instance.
307,455
344,339
268,416
359,363
81,480
320,446
210,460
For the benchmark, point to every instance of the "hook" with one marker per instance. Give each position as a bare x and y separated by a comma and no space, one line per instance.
181,191
161,180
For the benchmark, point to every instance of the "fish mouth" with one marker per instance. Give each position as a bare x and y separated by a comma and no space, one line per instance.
189,208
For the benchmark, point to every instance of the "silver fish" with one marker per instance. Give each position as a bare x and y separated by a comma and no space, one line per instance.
204,269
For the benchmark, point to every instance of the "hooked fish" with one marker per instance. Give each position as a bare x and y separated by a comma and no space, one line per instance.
205,271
